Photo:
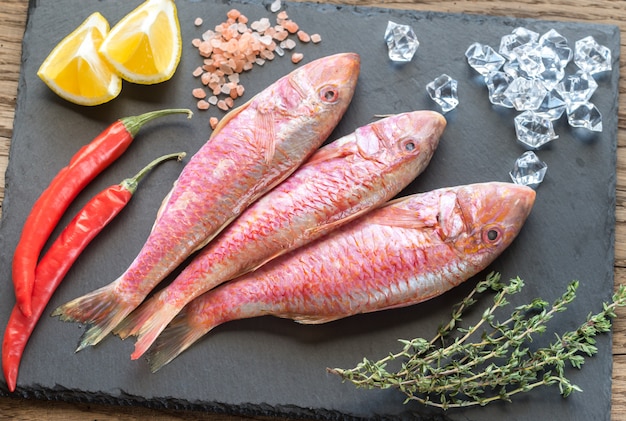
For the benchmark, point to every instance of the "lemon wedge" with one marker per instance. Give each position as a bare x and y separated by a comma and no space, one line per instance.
76,72
145,46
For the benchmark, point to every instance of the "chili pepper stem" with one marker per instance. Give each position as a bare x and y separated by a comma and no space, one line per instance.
131,184
134,123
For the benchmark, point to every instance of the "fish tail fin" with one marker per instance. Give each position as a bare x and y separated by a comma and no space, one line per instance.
150,323
176,338
132,324
102,309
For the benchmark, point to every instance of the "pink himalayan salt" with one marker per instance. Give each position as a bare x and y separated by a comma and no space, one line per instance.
290,26
297,57
233,14
281,35
198,71
199,93
233,48
213,121
303,36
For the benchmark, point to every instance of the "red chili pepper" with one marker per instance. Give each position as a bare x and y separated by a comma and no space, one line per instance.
55,264
84,166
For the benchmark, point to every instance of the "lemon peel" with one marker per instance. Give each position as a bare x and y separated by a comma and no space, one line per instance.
76,72
145,46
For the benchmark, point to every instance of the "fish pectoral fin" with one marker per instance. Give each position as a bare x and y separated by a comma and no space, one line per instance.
328,153
265,134
313,232
401,218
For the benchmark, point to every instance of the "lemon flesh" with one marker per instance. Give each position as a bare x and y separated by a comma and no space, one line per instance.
76,72
145,46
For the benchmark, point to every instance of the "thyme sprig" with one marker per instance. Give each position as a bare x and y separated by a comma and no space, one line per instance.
491,360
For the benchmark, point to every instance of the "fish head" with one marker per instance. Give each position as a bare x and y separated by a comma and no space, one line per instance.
324,88
481,220
408,138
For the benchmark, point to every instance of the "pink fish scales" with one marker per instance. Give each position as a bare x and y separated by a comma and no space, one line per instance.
342,181
409,251
254,148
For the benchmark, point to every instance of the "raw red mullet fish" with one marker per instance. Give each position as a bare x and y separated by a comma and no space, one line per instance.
254,148
406,252
343,180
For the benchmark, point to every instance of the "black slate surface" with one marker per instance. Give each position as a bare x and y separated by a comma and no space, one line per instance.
277,367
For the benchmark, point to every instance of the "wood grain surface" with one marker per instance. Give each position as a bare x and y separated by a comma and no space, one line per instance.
13,14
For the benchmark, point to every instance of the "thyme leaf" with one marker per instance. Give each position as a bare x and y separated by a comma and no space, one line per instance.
491,360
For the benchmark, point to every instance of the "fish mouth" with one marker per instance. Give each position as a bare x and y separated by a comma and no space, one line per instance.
431,127
340,70
492,215
506,205
422,129
518,198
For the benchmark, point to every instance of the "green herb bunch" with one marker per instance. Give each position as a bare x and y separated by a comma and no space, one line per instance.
491,360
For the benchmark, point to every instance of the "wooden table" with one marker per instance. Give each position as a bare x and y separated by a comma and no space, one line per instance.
13,15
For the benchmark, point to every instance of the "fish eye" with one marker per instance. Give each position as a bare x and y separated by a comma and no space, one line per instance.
329,94
408,145
492,235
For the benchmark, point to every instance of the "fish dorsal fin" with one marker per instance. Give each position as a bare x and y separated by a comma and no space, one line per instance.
398,217
231,114
162,206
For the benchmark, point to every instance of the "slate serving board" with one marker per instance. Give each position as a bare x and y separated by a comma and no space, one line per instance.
268,366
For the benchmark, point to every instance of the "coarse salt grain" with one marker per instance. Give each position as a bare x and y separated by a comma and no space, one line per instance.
303,36
205,78
290,26
203,105
199,93
221,104
281,35
315,38
288,44
275,6
233,14
198,21
213,121
233,47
